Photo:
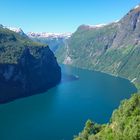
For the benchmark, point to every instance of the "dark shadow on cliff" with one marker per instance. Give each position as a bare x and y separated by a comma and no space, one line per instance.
31,75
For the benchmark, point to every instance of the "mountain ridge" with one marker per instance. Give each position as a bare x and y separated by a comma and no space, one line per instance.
48,35
26,67
54,40
113,48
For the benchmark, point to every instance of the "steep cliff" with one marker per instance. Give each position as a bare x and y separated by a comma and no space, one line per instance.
26,68
113,48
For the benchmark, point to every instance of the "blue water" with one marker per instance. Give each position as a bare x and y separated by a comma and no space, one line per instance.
61,112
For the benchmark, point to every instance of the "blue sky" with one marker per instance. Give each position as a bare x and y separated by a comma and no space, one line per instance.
61,15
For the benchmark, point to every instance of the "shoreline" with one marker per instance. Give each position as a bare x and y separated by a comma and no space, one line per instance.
137,85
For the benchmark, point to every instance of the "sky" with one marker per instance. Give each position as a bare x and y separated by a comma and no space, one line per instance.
61,15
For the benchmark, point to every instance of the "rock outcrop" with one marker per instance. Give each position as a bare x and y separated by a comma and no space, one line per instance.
25,68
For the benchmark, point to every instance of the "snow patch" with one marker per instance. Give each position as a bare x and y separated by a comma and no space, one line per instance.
48,35
102,25
17,30
97,26
137,6
116,21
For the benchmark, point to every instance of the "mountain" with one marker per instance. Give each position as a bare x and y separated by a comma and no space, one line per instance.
124,124
113,48
26,68
17,30
54,40
48,35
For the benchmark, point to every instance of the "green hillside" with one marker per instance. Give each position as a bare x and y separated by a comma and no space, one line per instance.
113,48
124,124
12,45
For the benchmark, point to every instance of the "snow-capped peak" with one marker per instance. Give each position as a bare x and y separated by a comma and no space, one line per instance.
116,21
17,30
98,25
48,35
102,25
137,6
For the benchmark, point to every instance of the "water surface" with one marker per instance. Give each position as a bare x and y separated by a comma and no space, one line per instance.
62,111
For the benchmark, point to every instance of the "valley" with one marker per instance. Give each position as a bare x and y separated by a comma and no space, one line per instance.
113,48
81,85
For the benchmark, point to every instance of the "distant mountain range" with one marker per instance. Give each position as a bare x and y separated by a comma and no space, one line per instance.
49,35
54,40
113,48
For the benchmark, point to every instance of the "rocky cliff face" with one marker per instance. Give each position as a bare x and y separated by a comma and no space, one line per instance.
112,48
25,68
